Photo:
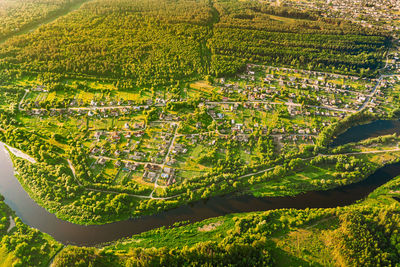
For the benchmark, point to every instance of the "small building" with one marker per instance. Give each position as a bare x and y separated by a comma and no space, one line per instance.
101,161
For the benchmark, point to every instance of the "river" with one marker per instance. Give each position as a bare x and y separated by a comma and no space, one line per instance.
68,233
364,131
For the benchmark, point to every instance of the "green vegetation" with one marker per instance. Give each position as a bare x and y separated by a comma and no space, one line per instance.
252,32
18,15
129,108
148,135
175,40
110,39
25,246
351,236
21,245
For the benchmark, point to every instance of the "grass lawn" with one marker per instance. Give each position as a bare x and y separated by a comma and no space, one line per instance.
285,185
306,246
178,237
6,259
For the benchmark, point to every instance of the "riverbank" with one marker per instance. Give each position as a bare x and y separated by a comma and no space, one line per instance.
287,237
18,153
365,130
35,216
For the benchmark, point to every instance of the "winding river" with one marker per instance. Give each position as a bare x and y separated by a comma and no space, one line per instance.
365,131
69,233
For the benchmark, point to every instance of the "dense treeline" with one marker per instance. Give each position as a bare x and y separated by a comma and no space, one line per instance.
256,15
354,236
226,179
146,41
157,42
29,246
203,254
247,32
328,133
16,15
21,245
369,239
56,190
346,53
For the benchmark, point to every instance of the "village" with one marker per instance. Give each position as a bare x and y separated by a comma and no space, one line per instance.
368,13
143,140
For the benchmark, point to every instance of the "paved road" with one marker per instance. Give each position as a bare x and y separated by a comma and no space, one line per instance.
367,100
171,145
278,103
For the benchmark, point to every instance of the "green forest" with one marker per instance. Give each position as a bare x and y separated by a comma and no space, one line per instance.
16,16
352,236
113,110
151,42
364,234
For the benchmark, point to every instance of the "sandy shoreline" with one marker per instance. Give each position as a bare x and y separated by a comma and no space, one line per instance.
18,153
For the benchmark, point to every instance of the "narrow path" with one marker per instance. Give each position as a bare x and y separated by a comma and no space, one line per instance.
18,153
279,103
35,25
73,171
94,108
54,256
239,177
12,224
369,97
22,100
171,145
125,160
372,152
205,51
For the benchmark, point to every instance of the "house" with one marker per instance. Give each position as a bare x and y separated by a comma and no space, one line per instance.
131,166
168,170
40,88
101,161
115,136
139,134
97,135
138,125
151,167
94,150
151,175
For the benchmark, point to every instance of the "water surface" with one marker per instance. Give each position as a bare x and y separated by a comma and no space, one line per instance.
365,131
69,233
